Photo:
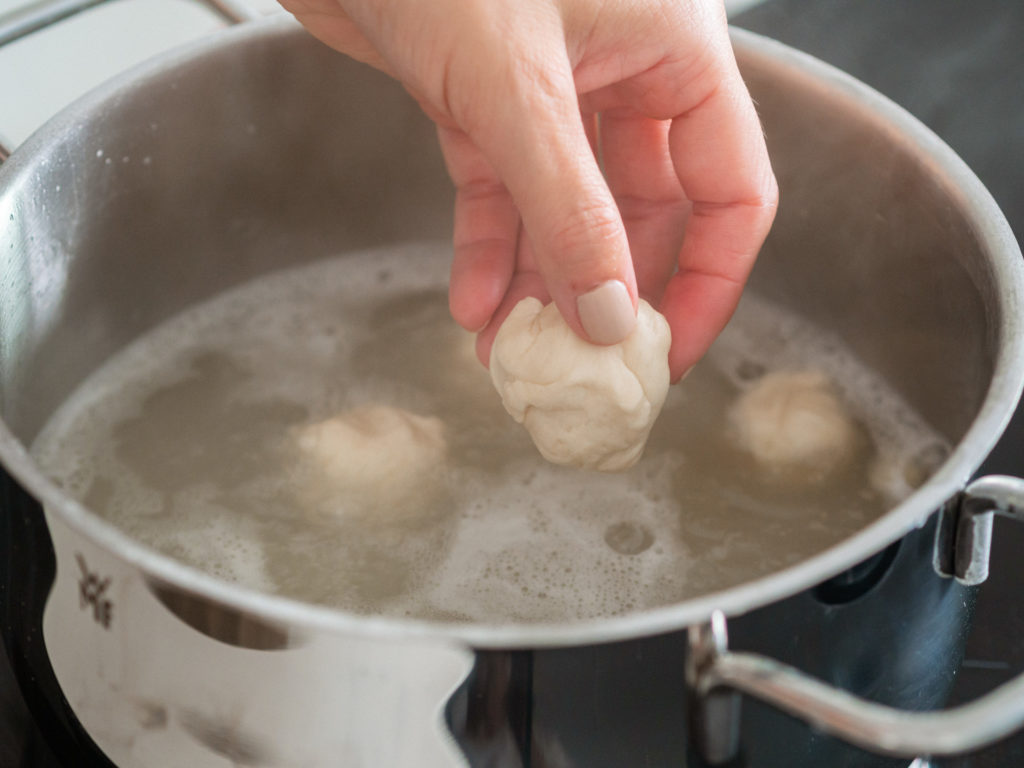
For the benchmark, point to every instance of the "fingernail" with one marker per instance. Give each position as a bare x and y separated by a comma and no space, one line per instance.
606,313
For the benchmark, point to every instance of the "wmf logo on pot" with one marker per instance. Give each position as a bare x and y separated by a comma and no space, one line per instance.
92,592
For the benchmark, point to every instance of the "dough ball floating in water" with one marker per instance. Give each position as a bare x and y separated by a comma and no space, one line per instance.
370,456
584,405
794,421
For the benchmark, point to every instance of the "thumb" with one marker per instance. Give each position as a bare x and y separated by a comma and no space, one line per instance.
533,134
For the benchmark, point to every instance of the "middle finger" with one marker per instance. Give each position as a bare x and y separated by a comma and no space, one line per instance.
654,208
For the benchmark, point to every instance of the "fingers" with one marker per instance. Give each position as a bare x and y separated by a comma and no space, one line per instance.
651,201
524,283
720,157
326,21
486,233
493,267
680,139
532,132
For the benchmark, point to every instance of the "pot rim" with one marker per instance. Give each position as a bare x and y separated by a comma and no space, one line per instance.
977,205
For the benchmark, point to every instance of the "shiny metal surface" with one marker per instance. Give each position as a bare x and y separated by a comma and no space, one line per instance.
892,632
125,209
964,539
896,641
714,711
160,679
715,673
875,727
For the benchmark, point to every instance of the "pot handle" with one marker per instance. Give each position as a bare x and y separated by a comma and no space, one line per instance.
41,14
716,676
964,535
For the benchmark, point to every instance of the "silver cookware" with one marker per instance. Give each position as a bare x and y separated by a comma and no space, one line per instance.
259,149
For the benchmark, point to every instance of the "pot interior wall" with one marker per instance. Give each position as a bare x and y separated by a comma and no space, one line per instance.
872,242
244,160
273,151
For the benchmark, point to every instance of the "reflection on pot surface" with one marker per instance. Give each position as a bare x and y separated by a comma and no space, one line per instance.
327,433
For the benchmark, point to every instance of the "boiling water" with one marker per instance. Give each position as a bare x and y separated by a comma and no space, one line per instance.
185,440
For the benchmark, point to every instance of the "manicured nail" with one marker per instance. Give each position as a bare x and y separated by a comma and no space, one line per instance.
606,313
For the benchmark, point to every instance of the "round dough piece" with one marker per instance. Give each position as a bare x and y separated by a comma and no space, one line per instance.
584,405
794,421
370,456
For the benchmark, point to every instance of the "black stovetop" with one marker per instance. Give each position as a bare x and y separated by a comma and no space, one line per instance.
959,67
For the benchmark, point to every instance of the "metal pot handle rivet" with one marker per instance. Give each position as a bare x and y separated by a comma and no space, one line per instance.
964,535
716,675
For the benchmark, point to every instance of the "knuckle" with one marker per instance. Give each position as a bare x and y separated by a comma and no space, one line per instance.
584,232
642,209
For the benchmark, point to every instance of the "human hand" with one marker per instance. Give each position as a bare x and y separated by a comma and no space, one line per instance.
516,89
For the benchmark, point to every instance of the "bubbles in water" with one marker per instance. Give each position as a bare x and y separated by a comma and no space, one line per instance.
183,440
628,538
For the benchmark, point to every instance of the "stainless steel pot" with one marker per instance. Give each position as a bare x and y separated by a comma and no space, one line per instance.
260,149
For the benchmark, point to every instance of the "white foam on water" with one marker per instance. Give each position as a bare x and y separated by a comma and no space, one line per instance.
185,440
766,336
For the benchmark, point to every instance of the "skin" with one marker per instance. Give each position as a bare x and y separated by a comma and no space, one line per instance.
588,140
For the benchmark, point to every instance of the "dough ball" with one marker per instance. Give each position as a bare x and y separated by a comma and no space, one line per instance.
794,422
372,456
584,405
